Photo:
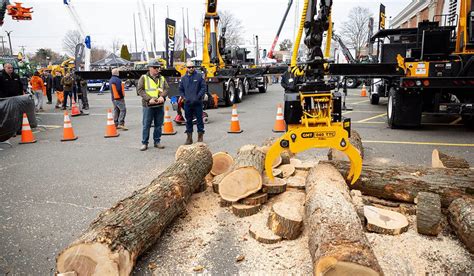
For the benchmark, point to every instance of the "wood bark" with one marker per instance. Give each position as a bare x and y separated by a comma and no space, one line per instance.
115,239
260,232
221,163
355,140
403,183
286,220
461,218
383,221
248,155
442,160
255,199
243,210
336,237
278,186
428,215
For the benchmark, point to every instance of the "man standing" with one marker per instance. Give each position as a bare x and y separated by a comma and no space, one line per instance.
192,89
48,82
68,84
58,87
118,99
153,88
10,83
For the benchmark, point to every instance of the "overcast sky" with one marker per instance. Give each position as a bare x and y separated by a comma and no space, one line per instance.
106,20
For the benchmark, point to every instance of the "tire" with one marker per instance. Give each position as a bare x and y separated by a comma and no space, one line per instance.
263,89
374,98
240,93
246,86
351,83
230,94
403,110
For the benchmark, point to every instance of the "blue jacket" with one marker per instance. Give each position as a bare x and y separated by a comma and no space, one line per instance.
115,84
192,87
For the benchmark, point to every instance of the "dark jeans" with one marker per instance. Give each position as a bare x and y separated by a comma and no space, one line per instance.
67,94
48,94
120,111
193,110
156,115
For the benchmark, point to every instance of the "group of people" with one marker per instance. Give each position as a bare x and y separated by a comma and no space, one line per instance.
153,89
66,87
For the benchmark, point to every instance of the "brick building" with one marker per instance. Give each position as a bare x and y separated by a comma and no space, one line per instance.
417,11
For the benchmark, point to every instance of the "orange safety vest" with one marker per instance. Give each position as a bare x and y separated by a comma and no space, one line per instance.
116,93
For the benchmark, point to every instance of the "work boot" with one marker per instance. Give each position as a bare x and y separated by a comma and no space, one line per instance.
144,147
189,139
159,146
200,136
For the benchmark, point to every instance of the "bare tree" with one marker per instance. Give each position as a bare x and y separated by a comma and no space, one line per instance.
355,30
98,54
70,40
233,26
116,43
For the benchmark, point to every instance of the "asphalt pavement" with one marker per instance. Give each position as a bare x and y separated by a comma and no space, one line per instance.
51,190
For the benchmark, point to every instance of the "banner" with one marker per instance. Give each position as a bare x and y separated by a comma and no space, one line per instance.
382,17
78,56
170,26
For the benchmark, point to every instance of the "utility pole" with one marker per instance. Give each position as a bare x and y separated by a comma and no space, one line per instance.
184,36
154,29
10,41
135,33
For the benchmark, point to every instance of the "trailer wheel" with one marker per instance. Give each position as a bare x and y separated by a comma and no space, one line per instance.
403,110
263,89
246,86
374,98
351,83
240,92
230,94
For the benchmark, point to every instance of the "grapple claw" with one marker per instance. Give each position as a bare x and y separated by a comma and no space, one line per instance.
272,154
356,163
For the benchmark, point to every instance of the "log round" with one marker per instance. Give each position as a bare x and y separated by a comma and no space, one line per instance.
286,220
403,183
385,221
337,241
278,186
221,163
240,184
428,215
287,170
461,218
114,240
255,199
260,232
243,210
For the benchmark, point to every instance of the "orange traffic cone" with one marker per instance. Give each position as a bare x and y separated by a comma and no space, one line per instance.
74,109
110,129
68,133
363,92
234,122
168,125
27,136
279,125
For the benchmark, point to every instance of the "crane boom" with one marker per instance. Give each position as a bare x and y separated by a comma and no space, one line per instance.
345,51
75,17
270,53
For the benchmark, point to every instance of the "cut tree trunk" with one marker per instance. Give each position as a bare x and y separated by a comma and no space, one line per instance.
286,220
441,160
221,163
337,241
278,186
243,210
428,215
260,232
114,240
461,218
355,140
403,183
384,221
245,177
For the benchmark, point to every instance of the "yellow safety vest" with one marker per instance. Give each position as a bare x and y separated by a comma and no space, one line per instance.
151,87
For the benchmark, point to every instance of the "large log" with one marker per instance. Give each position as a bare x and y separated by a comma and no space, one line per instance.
355,140
403,183
246,177
115,239
337,241
461,218
428,214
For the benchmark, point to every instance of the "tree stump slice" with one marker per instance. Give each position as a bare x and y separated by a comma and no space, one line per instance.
296,182
337,241
255,199
277,173
119,235
260,232
428,215
221,163
355,140
403,183
240,184
277,162
286,220
461,218
225,203
305,166
247,156
287,170
276,187
442,160
383,221
243,210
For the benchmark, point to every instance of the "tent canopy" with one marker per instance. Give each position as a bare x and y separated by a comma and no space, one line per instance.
111,60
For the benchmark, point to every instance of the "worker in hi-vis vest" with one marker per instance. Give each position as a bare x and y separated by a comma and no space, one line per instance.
153,88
